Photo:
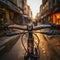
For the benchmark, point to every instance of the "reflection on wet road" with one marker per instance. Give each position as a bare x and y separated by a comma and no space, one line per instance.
17,51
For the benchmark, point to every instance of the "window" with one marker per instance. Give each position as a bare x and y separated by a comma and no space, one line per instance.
56,18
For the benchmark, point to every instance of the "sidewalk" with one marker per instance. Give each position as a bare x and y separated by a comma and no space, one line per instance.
6,39
13,34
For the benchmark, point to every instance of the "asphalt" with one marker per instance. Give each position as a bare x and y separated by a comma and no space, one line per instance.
54,43
45,43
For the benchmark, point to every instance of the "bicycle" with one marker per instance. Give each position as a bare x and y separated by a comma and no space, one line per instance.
32,53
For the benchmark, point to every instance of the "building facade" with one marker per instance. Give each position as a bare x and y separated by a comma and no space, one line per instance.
49,11
9,9
10,12
27,13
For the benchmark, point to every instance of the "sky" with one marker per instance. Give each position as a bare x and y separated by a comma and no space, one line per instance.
34,5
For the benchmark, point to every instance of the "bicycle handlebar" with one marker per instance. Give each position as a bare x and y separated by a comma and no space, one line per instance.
29,27
41,27
18,27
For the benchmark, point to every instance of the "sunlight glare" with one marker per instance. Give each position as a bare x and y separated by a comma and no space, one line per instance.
34,5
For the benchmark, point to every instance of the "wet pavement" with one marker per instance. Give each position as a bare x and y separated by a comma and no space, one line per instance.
49,49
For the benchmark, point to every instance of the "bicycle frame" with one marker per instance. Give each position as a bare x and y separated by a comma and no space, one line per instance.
30,45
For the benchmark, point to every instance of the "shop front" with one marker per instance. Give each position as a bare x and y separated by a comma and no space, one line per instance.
4,15
4,18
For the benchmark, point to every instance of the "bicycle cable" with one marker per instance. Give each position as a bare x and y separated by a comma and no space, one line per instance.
25,47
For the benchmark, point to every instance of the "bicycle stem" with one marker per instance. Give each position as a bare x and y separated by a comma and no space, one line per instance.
30,45
30,42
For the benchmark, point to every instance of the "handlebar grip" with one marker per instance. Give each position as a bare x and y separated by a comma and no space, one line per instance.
55,27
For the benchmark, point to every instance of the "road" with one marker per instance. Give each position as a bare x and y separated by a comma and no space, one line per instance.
47,51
